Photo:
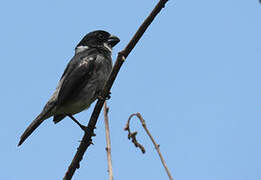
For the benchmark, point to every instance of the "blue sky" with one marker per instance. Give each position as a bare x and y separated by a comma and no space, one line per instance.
194,76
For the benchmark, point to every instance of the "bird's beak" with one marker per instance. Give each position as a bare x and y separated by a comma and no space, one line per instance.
113,40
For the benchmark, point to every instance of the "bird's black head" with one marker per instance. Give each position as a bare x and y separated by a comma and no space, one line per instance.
98,38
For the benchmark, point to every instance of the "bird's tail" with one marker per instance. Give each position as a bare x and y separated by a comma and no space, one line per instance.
38,120
45,114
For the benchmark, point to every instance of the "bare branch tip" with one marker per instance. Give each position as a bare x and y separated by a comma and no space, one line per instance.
126,128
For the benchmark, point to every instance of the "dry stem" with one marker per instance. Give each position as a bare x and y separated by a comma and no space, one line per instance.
134,140
108,141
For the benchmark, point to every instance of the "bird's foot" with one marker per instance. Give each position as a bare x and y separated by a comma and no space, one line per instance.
108,96
84,128
102,98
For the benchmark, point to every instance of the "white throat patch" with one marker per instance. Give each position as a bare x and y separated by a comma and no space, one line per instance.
107,46
80,49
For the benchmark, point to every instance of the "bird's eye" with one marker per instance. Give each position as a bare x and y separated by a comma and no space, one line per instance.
100,36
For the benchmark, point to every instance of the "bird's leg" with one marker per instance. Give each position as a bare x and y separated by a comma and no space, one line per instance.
84,128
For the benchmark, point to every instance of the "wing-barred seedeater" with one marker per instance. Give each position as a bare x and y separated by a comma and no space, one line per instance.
82,80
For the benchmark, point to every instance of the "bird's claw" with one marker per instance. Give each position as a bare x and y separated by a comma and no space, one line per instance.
85,129
106,98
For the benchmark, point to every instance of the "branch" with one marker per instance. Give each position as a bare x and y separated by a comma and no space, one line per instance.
127,128
108,141
87,137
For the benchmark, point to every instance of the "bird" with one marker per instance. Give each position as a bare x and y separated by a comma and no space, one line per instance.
81,82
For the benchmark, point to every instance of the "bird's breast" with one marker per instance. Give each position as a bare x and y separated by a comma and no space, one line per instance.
89,92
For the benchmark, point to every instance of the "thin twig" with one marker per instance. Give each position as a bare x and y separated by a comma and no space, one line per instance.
87,137
108,140
132,135
127,128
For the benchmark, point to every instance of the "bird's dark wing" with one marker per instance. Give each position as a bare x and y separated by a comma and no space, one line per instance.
76,79
68,68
